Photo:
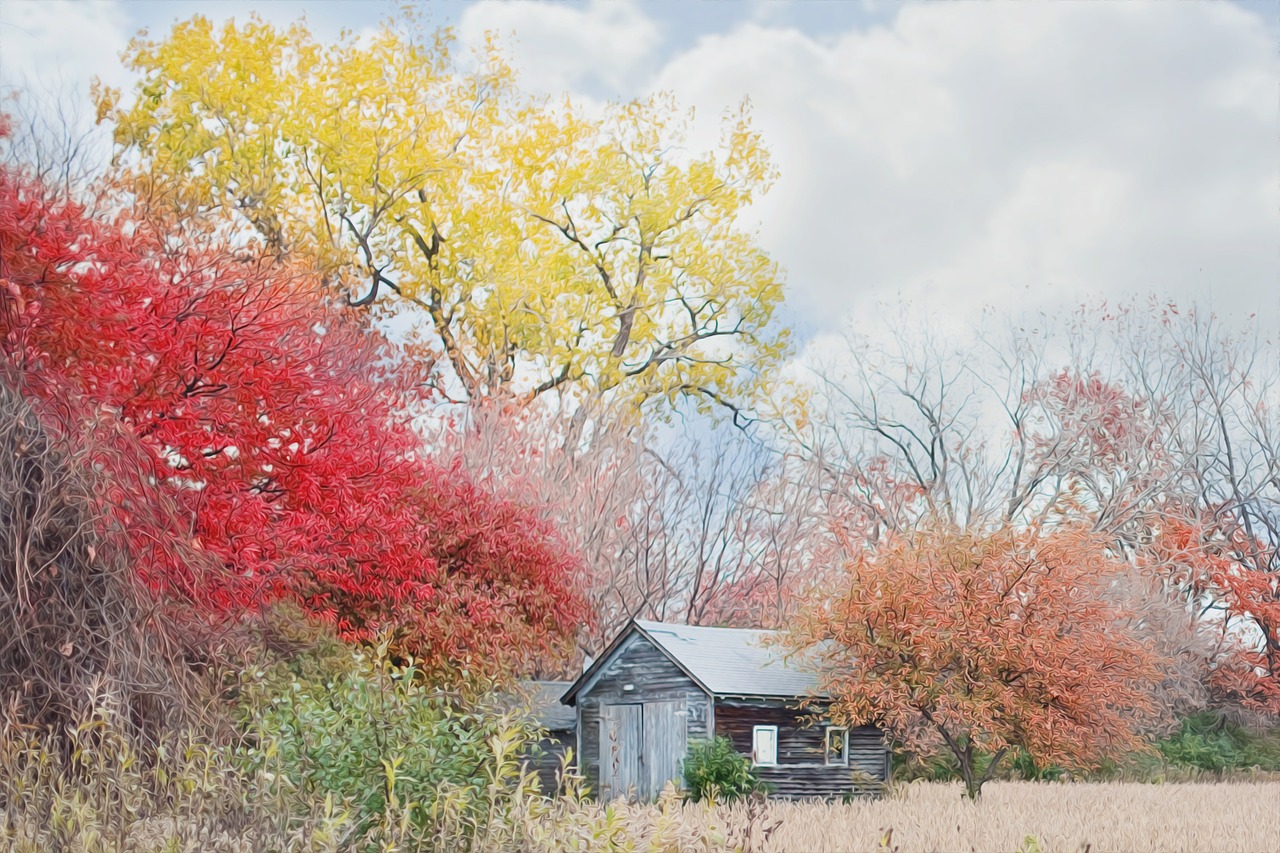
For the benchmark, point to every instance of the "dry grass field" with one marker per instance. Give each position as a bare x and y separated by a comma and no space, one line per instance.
1020,816
194,803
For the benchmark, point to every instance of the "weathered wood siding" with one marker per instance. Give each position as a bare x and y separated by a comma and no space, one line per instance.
546,757
654,679
802,770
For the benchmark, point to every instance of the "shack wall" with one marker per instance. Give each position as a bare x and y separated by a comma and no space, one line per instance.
802,770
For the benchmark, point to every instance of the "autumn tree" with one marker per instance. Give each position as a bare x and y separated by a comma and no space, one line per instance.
1064,421
538,246
985,643
276,426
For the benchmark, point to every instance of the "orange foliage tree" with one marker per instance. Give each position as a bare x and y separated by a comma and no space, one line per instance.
985,643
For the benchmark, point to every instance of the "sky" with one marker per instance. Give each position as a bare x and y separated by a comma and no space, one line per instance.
952,158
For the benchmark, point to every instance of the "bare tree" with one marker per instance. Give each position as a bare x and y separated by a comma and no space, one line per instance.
52,138
704,528
1020,426
1226,515
585,479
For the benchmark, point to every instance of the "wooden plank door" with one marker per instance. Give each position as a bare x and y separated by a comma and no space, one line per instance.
622,761
665,742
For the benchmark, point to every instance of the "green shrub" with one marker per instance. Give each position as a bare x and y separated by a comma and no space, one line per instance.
1208,741
714,770
1023,766
372,737
932,767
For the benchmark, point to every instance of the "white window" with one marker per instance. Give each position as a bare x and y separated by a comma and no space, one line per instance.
764,745
838,745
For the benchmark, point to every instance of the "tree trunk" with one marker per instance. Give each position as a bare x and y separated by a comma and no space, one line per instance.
972,784
973,781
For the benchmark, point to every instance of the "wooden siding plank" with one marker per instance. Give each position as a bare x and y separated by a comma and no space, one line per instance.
546,758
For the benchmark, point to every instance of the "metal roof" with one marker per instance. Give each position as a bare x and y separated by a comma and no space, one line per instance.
723,661
734,661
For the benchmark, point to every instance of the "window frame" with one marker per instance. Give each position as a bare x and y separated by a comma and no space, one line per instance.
755,762
843,760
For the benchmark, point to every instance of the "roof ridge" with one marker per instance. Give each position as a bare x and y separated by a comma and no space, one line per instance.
705,627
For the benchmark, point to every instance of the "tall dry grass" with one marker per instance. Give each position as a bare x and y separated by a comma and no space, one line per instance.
1017,816
98,797
91,791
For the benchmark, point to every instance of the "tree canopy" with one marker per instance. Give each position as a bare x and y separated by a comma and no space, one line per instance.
544,246
983,644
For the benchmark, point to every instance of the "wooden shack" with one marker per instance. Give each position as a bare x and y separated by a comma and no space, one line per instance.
658,687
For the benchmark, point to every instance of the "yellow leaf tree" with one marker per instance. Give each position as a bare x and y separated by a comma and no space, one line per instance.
537,246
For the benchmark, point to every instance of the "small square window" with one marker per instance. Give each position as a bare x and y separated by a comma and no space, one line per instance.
838,746
764,746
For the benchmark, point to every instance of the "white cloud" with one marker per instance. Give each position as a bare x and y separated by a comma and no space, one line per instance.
1023,155
600,48
1019,155
50,54
62,43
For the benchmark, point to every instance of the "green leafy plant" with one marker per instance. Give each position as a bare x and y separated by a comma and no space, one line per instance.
714,770
1208,741
404,758
1023,766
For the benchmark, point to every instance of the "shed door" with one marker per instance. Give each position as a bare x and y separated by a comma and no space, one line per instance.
664,744
622,763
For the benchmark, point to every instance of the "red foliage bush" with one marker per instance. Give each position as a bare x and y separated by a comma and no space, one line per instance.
277,425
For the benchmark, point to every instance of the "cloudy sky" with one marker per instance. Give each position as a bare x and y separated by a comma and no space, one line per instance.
1019,157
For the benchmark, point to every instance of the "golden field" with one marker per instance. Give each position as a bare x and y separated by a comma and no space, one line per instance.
1026,816
106,801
